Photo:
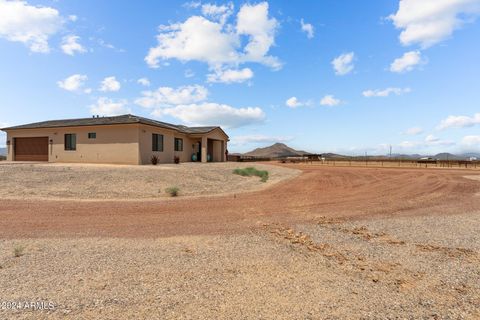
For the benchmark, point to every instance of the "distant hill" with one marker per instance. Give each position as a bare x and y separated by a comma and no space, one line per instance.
448,156
471,154
276,150
3,151
280,150
334,156
407,156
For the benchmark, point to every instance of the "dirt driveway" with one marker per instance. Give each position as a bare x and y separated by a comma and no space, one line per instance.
319,191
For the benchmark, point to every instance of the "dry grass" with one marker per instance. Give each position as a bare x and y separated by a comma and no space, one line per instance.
80,181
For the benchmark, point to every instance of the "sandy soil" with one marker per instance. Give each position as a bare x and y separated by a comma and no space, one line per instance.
89,181
398,268
333,243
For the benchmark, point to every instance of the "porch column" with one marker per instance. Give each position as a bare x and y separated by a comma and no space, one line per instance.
204,149
223,144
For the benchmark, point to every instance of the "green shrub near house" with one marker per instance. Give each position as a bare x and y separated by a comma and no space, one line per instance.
251,171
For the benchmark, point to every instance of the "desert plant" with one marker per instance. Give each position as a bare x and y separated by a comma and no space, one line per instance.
18,251
250,171
154,160
176,159
172,191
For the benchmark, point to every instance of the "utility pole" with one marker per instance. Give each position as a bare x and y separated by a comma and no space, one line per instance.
366,159
390,151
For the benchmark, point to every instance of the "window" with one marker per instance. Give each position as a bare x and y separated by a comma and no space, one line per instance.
178,144
157,142
70,141
92,135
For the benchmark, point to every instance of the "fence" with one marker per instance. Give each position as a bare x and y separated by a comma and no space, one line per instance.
241,158
372,162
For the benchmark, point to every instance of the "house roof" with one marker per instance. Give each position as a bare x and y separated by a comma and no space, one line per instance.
123,119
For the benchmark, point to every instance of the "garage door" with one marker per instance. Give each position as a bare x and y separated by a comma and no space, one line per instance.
31,149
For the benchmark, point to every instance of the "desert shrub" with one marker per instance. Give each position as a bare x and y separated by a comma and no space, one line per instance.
250,171
154,160
172,191
18,251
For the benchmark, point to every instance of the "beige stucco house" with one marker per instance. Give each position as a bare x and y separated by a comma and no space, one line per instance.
125,139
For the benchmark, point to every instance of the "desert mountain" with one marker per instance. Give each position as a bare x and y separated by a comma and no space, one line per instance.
276,150
3,151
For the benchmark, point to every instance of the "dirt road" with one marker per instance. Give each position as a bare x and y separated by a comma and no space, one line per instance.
319,191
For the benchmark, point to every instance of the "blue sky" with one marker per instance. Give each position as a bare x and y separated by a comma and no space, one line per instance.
324,76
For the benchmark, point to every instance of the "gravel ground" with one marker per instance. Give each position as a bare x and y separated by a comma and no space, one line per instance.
88,181
396,268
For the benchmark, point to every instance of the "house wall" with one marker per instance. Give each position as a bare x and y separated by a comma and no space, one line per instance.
168,153
117,144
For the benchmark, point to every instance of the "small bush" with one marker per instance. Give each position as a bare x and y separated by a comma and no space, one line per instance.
172,191
176,159
154,160
250,171
18,251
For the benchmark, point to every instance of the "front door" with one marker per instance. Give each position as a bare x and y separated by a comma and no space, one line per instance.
199,151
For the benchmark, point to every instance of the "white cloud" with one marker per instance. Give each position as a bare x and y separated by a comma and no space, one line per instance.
73,83
428,142
230,75
407,62
208,113
257,139
188,41
471,140
72,18
166,96
329,100
108,107
253,21
70,45
216,43
107,45
110,84
293,102
431,138
385,92
308,29
459,122
428,22
343,64
30,25
192,4
144,82
216,12
189,73
413,131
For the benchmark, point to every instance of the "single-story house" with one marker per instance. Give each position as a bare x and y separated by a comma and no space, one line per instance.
125,139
